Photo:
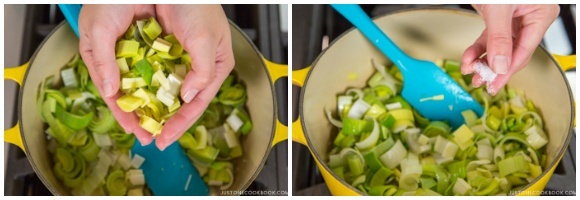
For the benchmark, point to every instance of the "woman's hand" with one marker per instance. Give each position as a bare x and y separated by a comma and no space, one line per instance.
203,31
99,28
511,36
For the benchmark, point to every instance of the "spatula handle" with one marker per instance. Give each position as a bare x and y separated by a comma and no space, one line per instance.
367,27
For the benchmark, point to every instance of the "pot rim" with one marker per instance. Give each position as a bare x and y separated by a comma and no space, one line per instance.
465,12
232,25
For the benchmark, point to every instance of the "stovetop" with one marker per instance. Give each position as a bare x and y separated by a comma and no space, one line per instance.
32,23
315,26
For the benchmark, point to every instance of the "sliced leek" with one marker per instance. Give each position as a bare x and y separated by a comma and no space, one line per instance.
407,154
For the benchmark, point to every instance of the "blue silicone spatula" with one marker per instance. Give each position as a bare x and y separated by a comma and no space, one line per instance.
168,172
423,80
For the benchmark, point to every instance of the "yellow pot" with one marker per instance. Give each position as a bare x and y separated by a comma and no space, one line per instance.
427,34
257,73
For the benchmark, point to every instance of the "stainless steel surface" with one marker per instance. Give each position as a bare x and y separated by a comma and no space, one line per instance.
13,32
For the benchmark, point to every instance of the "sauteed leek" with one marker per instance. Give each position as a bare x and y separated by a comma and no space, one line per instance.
385,147
91,152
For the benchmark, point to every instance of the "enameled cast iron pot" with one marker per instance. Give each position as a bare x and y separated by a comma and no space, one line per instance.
257,73
427,34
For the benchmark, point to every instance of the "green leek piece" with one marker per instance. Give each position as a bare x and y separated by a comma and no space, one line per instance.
470,117
355,164
428,182
380,177
130,32
457,169
152,28
235,95
161,45
116,183
74,122
129,103
123,66
512,164
144,69
171,38
151,125
463,137
356,126
227,83
373,161
69,167
204,156
79,138
89,150
104,122
83,73
123,140
247,126
436,128
127,48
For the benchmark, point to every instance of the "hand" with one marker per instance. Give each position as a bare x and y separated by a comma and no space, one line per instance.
511,36
99,27
203,31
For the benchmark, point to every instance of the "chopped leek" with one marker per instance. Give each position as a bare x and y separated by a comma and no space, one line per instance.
408,154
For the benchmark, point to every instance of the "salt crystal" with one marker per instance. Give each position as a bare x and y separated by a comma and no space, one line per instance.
487,75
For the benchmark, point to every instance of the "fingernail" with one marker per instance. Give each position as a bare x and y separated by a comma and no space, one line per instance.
190,95
500,64
108,87
161,145
491,90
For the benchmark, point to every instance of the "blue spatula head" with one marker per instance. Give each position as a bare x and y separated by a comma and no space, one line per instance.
426,87
436,95
169,172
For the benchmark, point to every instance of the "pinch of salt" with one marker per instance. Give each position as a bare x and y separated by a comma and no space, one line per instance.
487,75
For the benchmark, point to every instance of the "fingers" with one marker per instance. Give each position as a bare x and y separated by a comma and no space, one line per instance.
473,53
103,54
203,54
499,82
188,114
129,121
498,20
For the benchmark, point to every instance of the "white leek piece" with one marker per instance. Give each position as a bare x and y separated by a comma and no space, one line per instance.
102,140
165,97
180,70
332,120
394,106
158,79
371,139
132,83
342,102
137,161
461,187
484,149
174,84
463,136
234,122
410,172
69,77
161,45
230,137
446,148
358,109
536,137
393,157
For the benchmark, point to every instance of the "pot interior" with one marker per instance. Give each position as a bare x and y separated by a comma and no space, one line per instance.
427,34
60,47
